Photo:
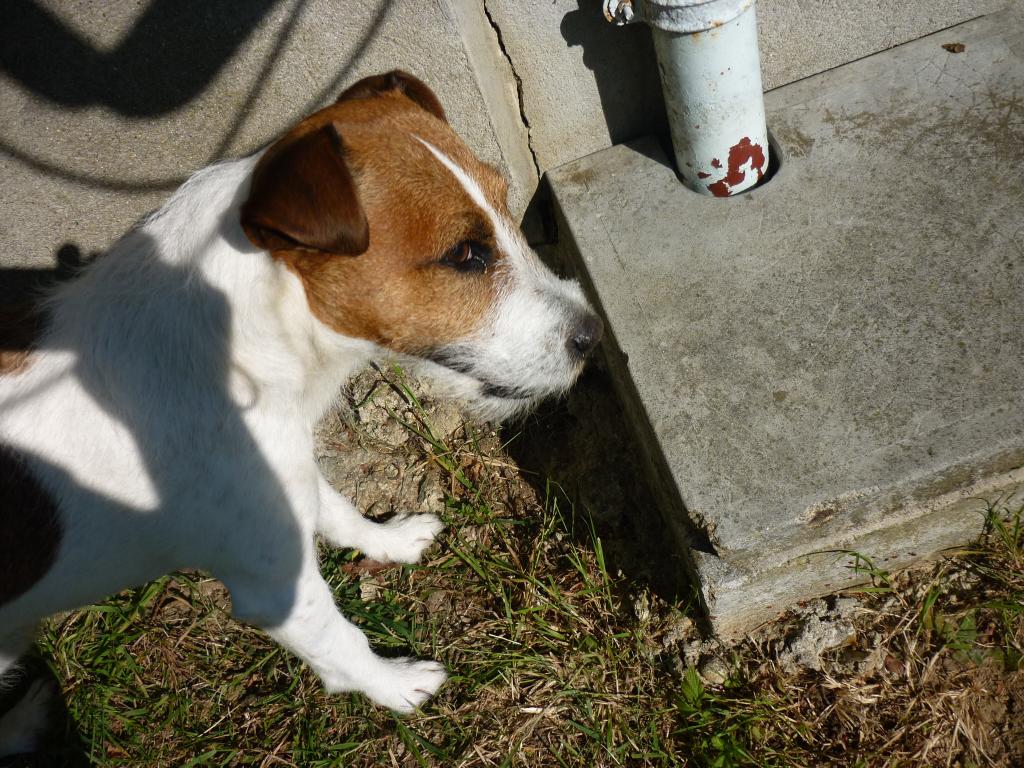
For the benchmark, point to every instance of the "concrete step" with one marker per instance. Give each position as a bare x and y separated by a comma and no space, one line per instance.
833,362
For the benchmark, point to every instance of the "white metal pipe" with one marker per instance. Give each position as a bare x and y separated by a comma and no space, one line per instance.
711,75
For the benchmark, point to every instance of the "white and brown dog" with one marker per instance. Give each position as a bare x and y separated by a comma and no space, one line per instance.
163,417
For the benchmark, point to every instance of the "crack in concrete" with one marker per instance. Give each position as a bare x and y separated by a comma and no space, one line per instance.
519,88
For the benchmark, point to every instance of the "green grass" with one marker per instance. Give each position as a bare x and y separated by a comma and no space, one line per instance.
544,671
551,663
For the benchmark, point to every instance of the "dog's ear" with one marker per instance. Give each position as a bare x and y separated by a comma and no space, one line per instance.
304,198
400,81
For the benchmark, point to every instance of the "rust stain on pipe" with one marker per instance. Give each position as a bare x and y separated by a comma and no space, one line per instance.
743,152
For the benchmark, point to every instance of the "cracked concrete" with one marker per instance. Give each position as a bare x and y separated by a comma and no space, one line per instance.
519,88
501,88
587,85
113,117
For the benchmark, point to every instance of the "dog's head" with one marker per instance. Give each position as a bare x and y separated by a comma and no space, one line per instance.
400,236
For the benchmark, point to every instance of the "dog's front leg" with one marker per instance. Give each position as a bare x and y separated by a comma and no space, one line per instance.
302,617
402,539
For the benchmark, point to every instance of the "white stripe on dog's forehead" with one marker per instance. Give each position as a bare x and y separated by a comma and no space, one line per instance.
506,240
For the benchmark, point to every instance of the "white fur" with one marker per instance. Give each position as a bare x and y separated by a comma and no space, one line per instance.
22,725
523,346
170,410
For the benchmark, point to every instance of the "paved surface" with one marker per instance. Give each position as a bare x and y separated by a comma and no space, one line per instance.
108,107
587,84
834,361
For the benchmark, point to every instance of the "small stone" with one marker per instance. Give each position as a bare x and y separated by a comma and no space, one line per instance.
679,629
368,589
714,671
815,637
430,495
872,664
642,608
445,419
846,607
438,601
697,650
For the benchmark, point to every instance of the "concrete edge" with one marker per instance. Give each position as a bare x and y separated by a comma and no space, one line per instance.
953,523
693,541
951,517
499,87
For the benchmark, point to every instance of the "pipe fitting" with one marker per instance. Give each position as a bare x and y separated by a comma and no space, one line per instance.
711,77
687,16
618,12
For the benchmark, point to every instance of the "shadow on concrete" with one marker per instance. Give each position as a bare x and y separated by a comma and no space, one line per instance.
158,184
175,48
332,89
19,287
172,53
625,70
629,86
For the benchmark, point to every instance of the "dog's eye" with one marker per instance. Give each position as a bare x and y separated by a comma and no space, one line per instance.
468,256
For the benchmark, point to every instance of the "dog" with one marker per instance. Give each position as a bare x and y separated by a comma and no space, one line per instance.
162,417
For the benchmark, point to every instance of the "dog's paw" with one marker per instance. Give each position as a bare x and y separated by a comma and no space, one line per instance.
402,539
405,684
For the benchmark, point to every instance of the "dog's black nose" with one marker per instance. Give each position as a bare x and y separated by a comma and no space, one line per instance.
585,335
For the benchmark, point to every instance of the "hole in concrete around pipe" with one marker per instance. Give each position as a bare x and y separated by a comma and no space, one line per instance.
775,161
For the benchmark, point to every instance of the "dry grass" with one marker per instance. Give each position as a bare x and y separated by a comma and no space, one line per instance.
931,675
557,659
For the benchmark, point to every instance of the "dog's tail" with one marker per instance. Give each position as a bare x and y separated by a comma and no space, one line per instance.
22,724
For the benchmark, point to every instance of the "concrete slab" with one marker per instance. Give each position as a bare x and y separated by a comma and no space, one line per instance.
586,84
835,361
108,107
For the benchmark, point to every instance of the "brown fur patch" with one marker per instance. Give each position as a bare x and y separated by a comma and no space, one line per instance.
397,293
20,327
303,196
415,89
30,532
